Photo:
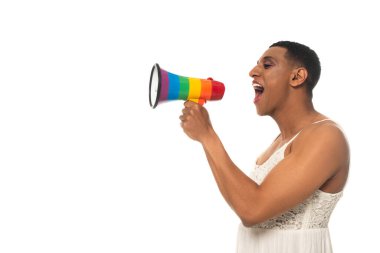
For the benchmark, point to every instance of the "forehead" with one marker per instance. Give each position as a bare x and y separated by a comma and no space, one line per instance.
274,53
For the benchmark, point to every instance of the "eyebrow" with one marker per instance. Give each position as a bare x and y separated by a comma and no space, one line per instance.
267,58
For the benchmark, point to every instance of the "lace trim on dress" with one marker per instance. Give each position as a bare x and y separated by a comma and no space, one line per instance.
313,213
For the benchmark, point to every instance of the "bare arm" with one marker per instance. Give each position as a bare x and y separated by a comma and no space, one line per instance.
293,180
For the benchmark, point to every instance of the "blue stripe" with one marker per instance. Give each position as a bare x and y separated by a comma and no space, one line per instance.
173,86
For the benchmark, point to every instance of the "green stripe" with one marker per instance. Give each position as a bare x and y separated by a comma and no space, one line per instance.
183,88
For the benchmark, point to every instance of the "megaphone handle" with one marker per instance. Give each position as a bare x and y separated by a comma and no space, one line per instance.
199,101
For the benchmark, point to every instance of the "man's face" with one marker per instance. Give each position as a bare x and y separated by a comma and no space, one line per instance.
271,78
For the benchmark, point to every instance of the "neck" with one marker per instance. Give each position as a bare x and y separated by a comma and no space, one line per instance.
294,117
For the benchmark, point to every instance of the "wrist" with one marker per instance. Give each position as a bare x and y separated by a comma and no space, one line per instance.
210,138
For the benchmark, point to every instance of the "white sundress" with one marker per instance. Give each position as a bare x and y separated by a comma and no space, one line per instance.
302,229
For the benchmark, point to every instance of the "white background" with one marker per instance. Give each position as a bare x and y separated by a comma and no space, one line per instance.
87,166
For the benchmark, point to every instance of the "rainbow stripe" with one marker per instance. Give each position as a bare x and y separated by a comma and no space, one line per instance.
174,87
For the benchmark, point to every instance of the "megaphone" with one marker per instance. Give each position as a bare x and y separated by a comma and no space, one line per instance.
165,86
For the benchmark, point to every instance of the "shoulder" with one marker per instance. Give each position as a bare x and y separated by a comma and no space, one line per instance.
324,140
326,132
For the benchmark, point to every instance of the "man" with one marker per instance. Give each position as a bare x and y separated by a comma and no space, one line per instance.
286,203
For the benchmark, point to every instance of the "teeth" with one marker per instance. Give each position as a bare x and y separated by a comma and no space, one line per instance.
258,87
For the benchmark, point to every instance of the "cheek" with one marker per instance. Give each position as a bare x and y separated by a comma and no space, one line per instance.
277,84
274,93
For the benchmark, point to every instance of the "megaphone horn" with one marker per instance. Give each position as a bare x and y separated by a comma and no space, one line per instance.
165,86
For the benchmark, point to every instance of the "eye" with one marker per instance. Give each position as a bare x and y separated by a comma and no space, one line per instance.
267,66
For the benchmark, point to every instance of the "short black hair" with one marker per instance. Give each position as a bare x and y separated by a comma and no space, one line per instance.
305,57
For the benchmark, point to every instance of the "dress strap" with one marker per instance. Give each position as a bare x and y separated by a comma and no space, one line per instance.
292,139
316,122
295,136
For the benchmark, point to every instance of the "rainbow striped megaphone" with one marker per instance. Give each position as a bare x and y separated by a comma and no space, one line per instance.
165,86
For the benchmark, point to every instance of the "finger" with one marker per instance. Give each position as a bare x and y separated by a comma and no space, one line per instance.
190,104
182,118
185,110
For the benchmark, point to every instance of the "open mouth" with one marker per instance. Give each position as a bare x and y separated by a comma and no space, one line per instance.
259,90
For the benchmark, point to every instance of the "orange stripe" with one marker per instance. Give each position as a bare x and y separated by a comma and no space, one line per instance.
206,89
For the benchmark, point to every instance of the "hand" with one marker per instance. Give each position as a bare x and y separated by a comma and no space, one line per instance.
195,121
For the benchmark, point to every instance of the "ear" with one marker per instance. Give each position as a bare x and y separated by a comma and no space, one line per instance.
298,77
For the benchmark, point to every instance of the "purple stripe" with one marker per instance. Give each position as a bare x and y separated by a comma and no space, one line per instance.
164,85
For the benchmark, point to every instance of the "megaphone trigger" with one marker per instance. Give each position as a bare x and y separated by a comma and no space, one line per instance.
199,101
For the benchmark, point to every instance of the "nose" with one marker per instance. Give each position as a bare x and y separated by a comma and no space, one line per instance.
254,72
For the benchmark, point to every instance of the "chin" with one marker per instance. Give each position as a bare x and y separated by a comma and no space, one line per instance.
259,111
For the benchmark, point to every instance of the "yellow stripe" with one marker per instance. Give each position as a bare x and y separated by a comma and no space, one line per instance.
195,88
